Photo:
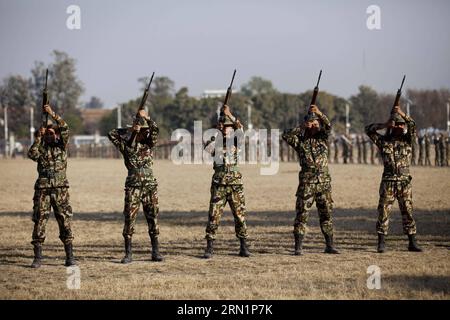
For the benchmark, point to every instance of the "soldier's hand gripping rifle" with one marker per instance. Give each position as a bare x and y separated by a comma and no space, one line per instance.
141,107
227,97
399,94
45,100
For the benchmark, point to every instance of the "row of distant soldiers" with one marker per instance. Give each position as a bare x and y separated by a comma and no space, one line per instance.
359,149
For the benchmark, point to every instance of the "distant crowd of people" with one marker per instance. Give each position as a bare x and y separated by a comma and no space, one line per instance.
359,149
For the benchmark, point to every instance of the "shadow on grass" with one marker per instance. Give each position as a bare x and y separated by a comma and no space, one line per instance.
429,222
435,284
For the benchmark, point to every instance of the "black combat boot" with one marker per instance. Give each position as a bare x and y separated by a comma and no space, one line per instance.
243,252
330,245
155,249
298,244
70,261
37,255
127,258
209,249
413,246
381,243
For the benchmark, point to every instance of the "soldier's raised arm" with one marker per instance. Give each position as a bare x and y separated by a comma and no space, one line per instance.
291,136
117,140
33,152
371,131
325,124
154,131
62,125
410,124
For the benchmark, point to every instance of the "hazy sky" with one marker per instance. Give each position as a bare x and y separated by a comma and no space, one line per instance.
198,43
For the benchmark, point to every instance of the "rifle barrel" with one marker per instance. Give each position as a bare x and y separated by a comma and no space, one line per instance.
318,80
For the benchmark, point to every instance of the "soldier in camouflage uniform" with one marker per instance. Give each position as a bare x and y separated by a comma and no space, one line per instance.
442,151
421,146
372,152
358,150
427,149
395,149
336,150
226,185
364,149
309,140
447,149
437,150
140,184
49,150
413,151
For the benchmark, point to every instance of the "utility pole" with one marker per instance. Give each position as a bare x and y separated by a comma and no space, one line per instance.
31,125
249,116
5,117
448,115
119,116
347,119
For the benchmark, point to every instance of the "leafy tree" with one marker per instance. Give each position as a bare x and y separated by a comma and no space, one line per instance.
15,94
94,103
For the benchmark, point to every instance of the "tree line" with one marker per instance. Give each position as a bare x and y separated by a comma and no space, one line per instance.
174,109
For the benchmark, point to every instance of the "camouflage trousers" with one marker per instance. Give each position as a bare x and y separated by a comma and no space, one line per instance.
134,196
43,201
220,195
307,193
389,191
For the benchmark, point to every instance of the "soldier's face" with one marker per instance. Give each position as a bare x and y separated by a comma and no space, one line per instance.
227,130
312,127
398,129
50,136
142,136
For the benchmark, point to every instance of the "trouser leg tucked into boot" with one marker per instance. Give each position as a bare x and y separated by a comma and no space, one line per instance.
209,249
381,243
128,253
330,244
413,246
70,261
37,255
243,252
156,256
298,244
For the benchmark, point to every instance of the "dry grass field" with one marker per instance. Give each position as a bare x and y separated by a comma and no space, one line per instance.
271,273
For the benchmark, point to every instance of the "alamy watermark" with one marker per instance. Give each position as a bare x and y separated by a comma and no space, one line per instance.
237,147
73,281
374,279
73,21
373,21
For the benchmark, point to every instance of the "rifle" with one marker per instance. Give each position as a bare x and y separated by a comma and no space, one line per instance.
141,107
227,96
316,90
45,100
399,93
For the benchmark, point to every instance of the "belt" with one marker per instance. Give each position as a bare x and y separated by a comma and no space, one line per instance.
227,168
313,170
140,171
50,174
400,171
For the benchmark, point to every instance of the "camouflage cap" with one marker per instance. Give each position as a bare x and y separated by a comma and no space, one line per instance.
49,123
311,116
226,121
141,122
397,118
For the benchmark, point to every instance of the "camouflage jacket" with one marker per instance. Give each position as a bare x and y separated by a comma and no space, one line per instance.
226,170
395,153
51,160
139,157
312,152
